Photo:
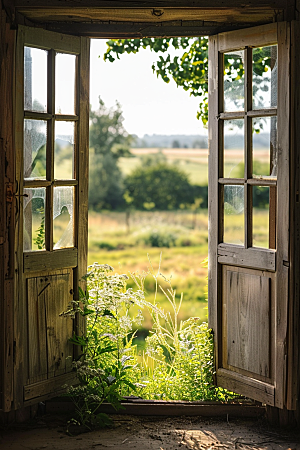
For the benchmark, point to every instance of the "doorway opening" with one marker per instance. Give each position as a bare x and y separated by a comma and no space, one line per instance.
138,211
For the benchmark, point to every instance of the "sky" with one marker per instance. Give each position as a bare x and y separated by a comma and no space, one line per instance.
149,105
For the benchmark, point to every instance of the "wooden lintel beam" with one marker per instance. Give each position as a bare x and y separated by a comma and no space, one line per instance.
127,30
77,4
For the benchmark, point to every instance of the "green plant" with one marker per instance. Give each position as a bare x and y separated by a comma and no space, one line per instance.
177,363
106,367
39,240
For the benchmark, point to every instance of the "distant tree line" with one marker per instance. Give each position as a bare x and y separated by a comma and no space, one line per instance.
153,185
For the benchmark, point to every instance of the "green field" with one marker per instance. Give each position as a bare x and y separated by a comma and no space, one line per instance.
178,237
192,161
182,255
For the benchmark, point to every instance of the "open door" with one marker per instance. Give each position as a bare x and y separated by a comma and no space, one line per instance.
51,198
249,209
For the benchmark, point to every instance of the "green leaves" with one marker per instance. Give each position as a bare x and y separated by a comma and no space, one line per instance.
190,71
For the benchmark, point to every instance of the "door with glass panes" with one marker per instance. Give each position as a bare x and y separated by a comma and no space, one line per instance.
52,106
249,209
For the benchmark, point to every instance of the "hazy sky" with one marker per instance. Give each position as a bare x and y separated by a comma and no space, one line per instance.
149,105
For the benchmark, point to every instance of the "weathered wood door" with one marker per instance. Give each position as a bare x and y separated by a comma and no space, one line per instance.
249,209
51,198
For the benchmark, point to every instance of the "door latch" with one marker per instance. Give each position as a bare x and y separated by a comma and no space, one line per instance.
10,193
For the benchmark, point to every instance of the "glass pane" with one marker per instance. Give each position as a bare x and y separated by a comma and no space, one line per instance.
234,81
35,79
234,214
64,151
63,217
234,148
34,219
264,144
65,84
35,138
264,73
261,216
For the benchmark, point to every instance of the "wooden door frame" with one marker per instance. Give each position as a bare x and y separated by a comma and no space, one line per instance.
9,345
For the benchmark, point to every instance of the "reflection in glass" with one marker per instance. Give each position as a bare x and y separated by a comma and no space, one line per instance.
264,73
234,81
34,219
65,83
234,148
64,151
35,79
260,217
234,214
63,217
264,144
35,138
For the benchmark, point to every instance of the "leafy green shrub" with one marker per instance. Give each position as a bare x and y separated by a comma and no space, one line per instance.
106,369
178,362
106,245
159,237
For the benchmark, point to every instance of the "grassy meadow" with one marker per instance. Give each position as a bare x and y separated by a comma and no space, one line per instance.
134,242
151,236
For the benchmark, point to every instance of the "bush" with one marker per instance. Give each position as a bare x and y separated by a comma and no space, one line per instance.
157,238
178,363
161,187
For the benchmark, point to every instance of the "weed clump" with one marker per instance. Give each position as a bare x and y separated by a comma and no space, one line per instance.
177,363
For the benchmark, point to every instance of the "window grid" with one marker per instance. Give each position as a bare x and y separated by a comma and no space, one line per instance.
51,117
248,182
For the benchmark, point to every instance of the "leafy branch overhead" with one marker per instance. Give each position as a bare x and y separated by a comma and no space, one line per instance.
190,70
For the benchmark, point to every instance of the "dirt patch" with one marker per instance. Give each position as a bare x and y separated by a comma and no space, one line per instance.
150,433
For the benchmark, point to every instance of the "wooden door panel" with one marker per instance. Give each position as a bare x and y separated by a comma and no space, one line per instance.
48,333
248,278
47,276
247,321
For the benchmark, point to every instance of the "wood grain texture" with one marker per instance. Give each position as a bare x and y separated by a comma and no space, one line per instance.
49,261
7,48
20,312
82,171
125,4
283,203
47,389
248,319
251,257
257,390
254,37
213,164
149,15
245,316
293,382
48,333
47,40
115,30
41,336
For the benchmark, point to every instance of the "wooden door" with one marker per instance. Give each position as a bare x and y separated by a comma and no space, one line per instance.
249,209
52,107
